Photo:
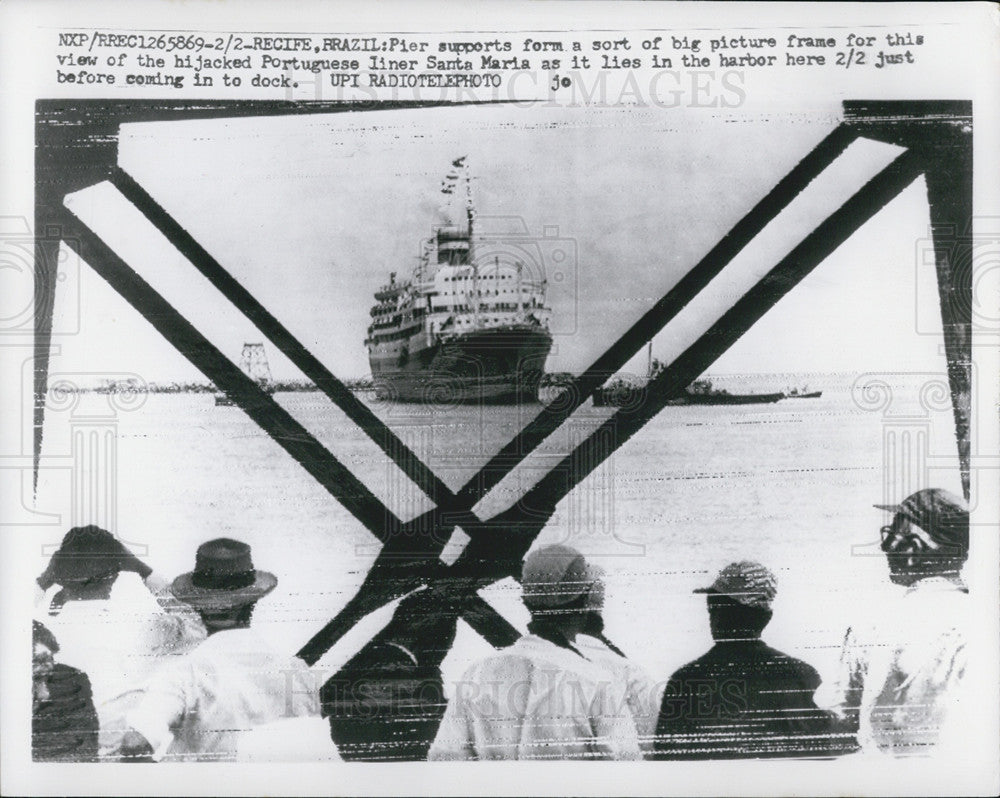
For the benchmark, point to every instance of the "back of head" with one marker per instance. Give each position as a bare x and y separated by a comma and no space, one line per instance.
40,633
929,535
556,578
562,591
732,620
739,600
87,554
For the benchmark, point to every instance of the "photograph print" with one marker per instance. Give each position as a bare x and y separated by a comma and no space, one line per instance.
395,432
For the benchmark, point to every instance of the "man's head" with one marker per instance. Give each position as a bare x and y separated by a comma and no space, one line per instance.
218,620
739,601
224,586
561,588
87,563
928,536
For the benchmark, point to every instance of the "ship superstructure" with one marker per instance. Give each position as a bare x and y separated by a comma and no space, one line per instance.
470,324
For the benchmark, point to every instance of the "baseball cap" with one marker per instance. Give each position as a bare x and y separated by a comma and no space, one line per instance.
941,514
746,582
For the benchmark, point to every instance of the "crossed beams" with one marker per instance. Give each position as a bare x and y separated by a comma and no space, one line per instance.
409,556
498,546
485,555
280,425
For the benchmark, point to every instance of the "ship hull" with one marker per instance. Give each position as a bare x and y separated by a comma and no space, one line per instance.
634,397
497,365
728,399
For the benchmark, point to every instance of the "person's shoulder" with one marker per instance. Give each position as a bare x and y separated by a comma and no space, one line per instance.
597,652
509,664
518,661
67,681
67,673
706,664
792,666
130,593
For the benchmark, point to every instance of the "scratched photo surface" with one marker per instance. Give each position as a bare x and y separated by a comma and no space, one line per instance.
395,350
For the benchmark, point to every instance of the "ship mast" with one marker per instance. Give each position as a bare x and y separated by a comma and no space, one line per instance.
459,163
520,307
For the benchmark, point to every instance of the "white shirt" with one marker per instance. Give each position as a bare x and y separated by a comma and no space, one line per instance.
118,642
536,700
288,740
641,692
197,707
904,671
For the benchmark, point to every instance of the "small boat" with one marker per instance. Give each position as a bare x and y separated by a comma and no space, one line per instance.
803,393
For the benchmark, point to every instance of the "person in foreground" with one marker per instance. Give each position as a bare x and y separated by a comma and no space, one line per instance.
742,699
387,701
115,620
901,687
198,707
63,718
641,693
541,698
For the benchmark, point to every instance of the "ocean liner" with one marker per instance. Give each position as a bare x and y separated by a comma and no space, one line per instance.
469,325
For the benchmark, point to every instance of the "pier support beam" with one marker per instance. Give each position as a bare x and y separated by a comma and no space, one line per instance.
941,132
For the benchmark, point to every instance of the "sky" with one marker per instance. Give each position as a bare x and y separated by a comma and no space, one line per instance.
611,206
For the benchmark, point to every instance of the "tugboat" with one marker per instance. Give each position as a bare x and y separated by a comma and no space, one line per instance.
469,326
802,393
253,363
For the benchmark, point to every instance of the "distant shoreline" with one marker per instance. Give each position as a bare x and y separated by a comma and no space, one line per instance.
134,385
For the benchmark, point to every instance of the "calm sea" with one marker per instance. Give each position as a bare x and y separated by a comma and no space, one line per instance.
790,484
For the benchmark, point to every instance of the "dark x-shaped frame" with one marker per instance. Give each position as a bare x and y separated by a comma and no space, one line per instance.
937,142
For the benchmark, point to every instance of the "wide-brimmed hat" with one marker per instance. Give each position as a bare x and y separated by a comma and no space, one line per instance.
746,582
554,576
223,577
941,514
86,554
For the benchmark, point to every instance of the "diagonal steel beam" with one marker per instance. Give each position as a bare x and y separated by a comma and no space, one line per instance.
488,558
335,477
459,507
372,592
660,314
498,546
272,418
408,462
319,462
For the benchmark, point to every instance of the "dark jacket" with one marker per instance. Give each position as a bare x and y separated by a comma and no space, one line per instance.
387,702
742,699
64,728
